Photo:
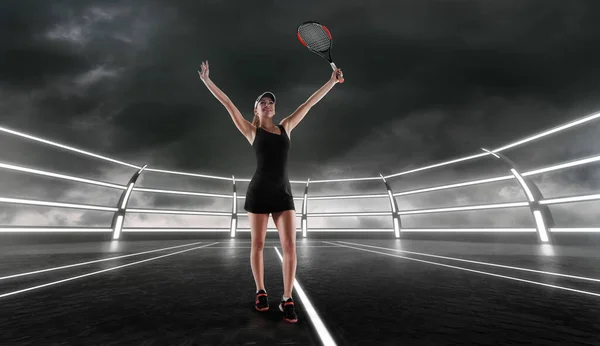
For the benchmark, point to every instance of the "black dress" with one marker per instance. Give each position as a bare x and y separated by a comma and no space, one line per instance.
270,190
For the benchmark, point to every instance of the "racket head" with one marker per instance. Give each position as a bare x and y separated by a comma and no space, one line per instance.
316,37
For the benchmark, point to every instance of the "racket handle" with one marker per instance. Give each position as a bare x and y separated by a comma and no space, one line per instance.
341,79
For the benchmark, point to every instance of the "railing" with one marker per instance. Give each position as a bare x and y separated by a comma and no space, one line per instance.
538,205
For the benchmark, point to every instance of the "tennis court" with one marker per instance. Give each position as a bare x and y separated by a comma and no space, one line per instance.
348,292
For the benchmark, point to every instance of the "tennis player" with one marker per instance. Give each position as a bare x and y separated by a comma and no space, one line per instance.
269,191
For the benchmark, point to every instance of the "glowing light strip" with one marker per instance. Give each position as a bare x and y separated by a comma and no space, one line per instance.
233,228
182,212
316,321
396,228
472,230
173,192
65,147
90,262
474,207
29,229
118,227
545,133
575,230
539,221
60,176
100,271
477,262
304,205
340,180
392,201
268,230
506,177
491,153
385,213
563,165
298,215
476,182
522,182
556,129
570,199
470,270
359,230
55,204
157,230
250,247
234,204
295,198
348,197
425,211
188,174
482,181
291,181
436,165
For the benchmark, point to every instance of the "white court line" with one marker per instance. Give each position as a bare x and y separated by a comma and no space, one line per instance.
482,263
472,270
250,247
90,262
316,321
101,271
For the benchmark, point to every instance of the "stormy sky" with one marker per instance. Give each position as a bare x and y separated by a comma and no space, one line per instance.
426,81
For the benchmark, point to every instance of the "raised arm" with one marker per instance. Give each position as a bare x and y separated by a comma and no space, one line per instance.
291,121
245,127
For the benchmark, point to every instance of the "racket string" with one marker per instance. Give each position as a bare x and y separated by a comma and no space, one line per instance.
315,37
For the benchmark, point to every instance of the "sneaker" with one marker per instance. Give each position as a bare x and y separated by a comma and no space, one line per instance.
262,301
289,313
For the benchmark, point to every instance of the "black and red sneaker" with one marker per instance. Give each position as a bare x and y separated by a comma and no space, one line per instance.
288,309
262,301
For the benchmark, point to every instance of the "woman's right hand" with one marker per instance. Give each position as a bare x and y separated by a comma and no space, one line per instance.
204,71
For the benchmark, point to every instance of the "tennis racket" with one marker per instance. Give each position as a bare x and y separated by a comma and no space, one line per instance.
317,39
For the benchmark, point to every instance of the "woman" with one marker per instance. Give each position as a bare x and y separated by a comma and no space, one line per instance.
269,191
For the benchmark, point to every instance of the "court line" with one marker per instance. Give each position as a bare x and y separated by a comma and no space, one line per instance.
477,262
475,271
101,271
250,247
90,262
314,318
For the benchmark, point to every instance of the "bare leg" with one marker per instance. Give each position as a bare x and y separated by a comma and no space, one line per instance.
258,228
286,225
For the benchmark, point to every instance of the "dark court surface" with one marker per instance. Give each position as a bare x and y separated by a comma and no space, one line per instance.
365,292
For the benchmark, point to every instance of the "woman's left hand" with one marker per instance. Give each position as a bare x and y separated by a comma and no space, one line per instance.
337,76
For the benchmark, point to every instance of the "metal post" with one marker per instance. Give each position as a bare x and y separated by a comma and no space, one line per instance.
234,217
119,216
304,209
394,206
542,216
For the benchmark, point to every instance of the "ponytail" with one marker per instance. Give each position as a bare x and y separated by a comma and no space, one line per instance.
256,121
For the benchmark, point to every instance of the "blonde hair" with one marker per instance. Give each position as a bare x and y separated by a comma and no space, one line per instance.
256,120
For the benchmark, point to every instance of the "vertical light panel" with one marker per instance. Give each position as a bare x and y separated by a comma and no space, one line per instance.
539,221
119,217
304,210
234,209
395,214
533,196
118,227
